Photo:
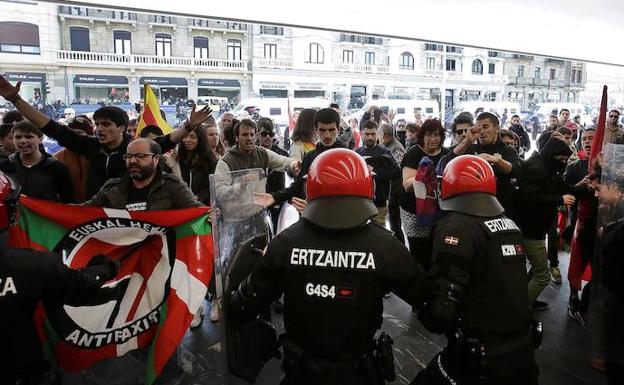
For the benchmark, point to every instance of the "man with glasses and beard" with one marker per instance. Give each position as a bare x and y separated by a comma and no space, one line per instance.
145,186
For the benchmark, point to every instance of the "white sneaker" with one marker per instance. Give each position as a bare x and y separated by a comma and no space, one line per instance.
197,318
214,310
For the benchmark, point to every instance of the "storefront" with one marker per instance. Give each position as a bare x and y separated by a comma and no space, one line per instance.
225,88
32,84
97,89
274,89
167,90
310,90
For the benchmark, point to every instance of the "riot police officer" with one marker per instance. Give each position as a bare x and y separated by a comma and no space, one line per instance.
27,277
480,298
333,267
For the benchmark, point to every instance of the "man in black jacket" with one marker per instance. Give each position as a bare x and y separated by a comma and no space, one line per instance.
384,168
327,123
40,175
504,160
517,128
276,180
106,150
541,191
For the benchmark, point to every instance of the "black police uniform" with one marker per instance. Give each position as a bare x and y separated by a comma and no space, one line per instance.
480,301
333,284
27,277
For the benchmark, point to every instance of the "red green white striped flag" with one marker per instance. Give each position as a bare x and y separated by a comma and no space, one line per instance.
166,264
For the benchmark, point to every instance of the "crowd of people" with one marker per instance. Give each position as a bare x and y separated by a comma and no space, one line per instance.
552,195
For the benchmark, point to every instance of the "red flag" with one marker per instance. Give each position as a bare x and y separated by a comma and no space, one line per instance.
291,120
166,264
600,130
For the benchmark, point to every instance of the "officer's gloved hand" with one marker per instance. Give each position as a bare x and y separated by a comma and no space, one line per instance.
103,267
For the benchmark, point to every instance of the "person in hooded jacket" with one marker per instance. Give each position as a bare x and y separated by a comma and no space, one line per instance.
541,190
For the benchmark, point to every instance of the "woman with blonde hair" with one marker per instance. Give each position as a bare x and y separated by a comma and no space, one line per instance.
303,138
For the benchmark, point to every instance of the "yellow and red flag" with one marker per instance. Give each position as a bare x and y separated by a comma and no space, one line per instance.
150,116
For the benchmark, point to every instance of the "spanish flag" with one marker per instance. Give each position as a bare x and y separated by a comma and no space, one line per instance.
150,116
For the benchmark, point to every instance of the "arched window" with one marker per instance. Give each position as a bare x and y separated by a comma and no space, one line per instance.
200,44
407,61
315,54
477,67
18,37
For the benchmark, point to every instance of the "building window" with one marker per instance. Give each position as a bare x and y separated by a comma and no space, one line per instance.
315,54
347,56
491,68
407,61
430,63
538,73
201,47
450,64
234,49
163,44
19,38
369,58
433,47
579,76
553,74
477,67
454,49
79,39
351,38
270,51
271,30
520,71
121,41
493,54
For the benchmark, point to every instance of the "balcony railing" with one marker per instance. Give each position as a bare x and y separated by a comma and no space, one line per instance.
499,78
218,25
556,83
273,63
540,82
521,81
152,61
454,75
349,67
94,13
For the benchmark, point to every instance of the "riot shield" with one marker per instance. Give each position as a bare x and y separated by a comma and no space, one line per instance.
606,287
241,231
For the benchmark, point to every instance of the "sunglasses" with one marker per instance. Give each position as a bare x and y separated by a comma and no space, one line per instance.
460,131
264,134
614,116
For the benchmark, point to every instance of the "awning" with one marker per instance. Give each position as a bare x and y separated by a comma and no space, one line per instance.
558,28
163,81
218,83
100,79
26,77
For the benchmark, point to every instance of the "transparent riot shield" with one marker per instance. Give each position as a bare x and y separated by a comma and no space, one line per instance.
606,298
241,231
